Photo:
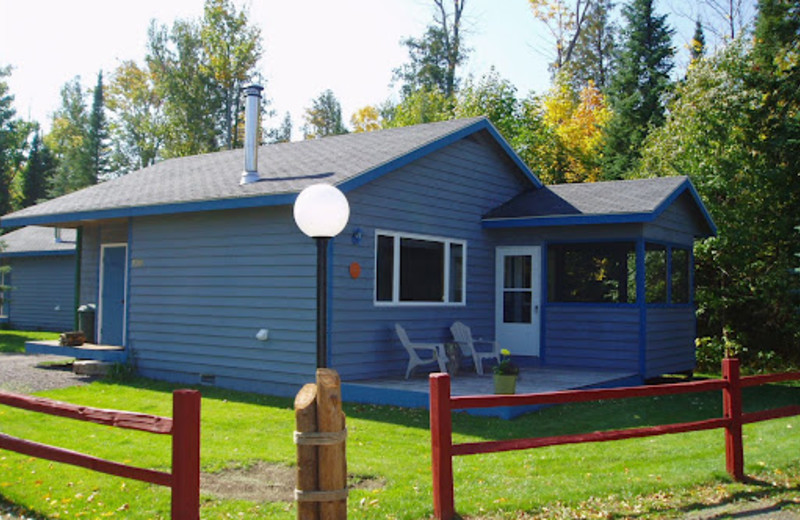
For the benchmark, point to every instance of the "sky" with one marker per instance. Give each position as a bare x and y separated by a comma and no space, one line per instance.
348,46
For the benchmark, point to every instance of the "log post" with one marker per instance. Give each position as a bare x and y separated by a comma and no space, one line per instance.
332,457
441,447
732,410
305,414
186,455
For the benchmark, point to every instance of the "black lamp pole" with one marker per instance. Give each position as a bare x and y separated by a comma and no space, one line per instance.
322,301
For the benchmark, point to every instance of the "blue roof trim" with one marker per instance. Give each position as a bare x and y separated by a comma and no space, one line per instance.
65,252
687,185
159,209
399,162
567,220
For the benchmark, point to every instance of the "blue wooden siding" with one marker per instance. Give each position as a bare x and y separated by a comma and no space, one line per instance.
678,224
670,344
203,285
44,293
441,195
592,336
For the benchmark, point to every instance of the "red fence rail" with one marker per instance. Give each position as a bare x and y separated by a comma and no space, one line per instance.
442,403
184,427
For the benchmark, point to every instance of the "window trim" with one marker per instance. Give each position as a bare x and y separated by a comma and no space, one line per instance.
447,242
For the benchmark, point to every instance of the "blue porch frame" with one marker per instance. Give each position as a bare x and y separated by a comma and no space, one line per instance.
87,351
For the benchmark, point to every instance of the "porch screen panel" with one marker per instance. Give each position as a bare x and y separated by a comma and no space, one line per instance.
517,289
592,273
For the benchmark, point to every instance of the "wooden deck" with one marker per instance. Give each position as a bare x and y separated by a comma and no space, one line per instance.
109,353
414,392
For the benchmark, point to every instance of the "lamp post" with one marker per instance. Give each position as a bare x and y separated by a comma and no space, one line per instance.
321,212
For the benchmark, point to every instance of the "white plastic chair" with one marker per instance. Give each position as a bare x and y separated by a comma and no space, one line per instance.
463,336
414,360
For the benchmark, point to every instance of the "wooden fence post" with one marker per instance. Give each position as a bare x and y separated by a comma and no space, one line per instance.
441,447
305,413
186,455
332,457
732,410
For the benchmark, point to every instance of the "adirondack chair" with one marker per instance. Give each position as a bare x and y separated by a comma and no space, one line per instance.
414,359
463,336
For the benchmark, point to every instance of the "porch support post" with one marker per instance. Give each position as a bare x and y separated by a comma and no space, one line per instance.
442,447
641,301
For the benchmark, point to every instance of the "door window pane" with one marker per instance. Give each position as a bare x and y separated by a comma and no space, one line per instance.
517,307
517,272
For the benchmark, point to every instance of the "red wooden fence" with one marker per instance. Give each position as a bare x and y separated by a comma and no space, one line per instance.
184,428
442,403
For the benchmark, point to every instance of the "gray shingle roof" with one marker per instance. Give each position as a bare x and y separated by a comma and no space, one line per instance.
36,239
211,181
600,202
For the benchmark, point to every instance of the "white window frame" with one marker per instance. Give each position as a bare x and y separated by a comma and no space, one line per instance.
447,242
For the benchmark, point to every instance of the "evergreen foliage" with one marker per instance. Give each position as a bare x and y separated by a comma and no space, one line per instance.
69,141
639,88
35,176
324,118
98,133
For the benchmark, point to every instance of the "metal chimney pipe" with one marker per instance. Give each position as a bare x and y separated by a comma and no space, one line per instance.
251,113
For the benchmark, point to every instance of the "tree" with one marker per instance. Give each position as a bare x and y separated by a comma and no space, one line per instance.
593,53
138,124
697,47
232,48
565,21
366,119
36,174
191,101
733,127
435,57
324,118
70,143
13,134
493,97
283,133
639,88
97,136
418,107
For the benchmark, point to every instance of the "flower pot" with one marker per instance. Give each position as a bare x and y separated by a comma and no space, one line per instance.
505,384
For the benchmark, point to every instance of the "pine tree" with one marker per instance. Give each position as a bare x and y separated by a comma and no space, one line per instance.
68,139
324,118
13,137
697,48
97,141
36,173
639,87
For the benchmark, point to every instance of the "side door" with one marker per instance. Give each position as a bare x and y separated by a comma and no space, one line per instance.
518,298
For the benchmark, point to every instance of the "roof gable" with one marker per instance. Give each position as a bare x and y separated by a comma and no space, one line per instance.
614,202
211,181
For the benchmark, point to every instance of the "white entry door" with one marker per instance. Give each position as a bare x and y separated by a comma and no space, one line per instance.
518,298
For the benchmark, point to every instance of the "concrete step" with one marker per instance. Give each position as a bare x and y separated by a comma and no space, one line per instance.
88,367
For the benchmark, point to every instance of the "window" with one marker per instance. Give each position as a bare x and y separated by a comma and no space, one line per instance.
655,265
592,273
419,269
5,287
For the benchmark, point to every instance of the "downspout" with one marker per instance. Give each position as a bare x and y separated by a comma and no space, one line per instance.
78,255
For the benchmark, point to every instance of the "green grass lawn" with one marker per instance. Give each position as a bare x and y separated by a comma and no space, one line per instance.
14,340
393,444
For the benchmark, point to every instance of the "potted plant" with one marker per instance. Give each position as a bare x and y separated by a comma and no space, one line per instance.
505,374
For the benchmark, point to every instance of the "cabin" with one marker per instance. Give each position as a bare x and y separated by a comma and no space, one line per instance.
41,277
200,274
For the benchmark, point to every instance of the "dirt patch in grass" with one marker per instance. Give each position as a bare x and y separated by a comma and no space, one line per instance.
265,482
